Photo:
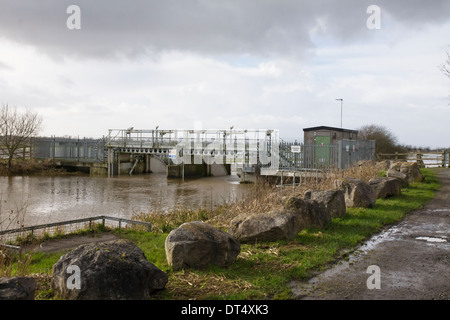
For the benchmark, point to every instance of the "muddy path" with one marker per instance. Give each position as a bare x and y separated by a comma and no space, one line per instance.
411,259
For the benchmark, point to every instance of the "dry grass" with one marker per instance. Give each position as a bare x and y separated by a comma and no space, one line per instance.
190,284
262,197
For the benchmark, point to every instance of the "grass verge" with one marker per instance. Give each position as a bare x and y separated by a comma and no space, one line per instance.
264,270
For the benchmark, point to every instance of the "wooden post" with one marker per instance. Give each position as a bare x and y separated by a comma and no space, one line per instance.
420,162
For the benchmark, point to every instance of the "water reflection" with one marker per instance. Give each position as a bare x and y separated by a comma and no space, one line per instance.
51,199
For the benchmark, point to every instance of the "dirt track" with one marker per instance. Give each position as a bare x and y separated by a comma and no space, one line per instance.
413,258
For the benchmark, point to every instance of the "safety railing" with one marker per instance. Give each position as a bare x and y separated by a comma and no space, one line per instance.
12,234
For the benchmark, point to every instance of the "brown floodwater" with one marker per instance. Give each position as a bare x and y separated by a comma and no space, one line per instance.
39,200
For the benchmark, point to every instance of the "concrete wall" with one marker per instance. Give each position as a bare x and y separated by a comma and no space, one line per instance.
197,170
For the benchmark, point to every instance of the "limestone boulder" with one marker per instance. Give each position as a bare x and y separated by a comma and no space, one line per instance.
386,187
357,192
412,172
197,244
17,288
396,165
334,201
267,226
383,165
111,270
394,173
309,213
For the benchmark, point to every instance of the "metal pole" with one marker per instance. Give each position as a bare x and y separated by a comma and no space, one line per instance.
342,101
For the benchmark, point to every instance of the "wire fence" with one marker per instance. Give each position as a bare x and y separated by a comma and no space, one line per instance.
298,156
75,149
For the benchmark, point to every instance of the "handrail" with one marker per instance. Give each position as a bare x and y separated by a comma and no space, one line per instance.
90,219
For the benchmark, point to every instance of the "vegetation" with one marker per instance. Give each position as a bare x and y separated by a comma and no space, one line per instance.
385,140
31,167
16,128
446,66
262,270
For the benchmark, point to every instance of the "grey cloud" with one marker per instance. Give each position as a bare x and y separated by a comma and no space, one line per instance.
134,27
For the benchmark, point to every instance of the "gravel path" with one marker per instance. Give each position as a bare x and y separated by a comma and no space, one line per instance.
412,257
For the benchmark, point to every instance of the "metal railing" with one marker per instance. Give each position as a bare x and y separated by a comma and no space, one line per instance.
9,234
73,149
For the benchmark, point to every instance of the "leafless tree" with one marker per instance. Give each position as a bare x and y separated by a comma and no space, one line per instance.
446,66
16,129
385,140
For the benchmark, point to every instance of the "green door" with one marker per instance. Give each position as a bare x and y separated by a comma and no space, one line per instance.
322,152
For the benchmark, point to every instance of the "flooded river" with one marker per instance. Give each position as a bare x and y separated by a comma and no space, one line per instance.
39,200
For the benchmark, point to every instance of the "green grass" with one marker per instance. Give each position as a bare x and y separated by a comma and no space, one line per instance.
264,270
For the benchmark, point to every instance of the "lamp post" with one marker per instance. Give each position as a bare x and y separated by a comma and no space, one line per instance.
342,100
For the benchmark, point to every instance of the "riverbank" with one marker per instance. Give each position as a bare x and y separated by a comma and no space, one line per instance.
32,167
263,270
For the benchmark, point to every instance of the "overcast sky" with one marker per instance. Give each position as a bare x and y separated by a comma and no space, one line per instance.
254,64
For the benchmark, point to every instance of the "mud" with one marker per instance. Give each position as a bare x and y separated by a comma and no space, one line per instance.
413,258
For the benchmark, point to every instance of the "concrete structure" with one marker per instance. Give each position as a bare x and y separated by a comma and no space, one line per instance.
187,153
327,135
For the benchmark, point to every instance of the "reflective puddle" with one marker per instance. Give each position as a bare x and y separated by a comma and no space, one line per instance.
431,239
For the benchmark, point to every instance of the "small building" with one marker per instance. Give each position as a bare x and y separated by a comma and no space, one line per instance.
327,135
324,146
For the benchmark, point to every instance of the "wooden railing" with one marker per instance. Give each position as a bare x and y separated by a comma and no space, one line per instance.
423,159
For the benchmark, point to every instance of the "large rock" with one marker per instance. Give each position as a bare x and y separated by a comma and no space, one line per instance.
383,165
357,192
396,165
17,288
412,172
112,270
334,201
197,244
407,171
386,187
309,213
268,226
394,173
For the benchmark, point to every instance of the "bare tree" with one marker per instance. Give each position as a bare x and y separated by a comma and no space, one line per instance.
16,129
385,141
446,66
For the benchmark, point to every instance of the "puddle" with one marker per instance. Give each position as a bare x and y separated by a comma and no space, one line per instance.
431,239
436,210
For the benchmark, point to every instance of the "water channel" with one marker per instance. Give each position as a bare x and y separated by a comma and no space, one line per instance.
45,199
